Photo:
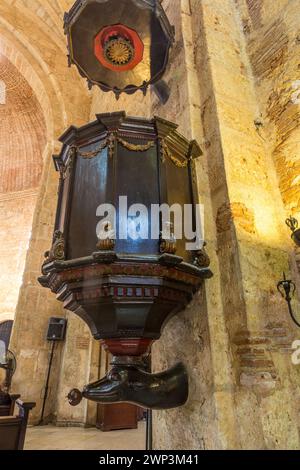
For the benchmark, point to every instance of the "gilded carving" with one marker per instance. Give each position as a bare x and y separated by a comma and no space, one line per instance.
119,51
166,153
57,252
168,246
106,238
202,260
93,153
106,245
58,248
136,148
66,170
111,145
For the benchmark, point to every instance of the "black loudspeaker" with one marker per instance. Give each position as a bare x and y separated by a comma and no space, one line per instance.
56,332
57,329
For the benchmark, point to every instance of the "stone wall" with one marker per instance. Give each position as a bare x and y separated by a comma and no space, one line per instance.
22,143
16,215
186,337
272,37
241,372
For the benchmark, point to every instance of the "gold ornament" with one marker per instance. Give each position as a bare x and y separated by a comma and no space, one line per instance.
93,153
119,51
166,153
136,148
57,251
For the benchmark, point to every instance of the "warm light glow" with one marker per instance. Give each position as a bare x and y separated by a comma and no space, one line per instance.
266,222
296,180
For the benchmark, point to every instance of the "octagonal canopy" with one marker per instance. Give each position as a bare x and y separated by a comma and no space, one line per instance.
121,46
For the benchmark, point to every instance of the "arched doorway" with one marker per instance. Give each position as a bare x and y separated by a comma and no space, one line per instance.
23,138
5,332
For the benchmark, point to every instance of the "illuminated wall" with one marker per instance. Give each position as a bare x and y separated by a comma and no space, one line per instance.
22,142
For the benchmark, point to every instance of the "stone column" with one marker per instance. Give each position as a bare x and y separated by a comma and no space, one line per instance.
242,381
251,222
188,336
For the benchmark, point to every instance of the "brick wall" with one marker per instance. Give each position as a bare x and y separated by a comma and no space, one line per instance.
22,142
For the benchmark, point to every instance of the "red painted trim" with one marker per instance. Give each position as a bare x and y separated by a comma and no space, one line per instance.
128,34
127,347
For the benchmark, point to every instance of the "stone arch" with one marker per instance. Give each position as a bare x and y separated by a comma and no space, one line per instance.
6,317
45,18
23,54
37,77
22,133
50,64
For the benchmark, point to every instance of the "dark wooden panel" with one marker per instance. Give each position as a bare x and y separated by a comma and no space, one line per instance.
64,192
117,416
92,187
179,192
10,429
5,410
137,178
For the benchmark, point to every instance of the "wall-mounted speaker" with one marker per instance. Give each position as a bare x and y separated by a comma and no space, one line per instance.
57,329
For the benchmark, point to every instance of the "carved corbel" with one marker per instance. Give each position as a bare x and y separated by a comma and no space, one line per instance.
57,251
201,259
